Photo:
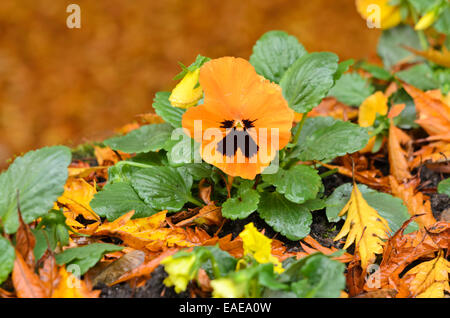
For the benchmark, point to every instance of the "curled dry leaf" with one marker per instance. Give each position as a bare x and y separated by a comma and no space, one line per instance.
439,57
315,247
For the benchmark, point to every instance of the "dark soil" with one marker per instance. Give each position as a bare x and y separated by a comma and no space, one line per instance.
153,288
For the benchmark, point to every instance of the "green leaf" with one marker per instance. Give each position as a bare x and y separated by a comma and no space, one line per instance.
316,276
422,6
390,46
298,184
308,80
274,53
327,138
39,176
243,204
199,61
164,108
290,219
117,199
443,23
199,170
163,188
407,117
376,71
390,208
223,259
420,76
352,89
342,68
7,257
444,187
87,256
144,139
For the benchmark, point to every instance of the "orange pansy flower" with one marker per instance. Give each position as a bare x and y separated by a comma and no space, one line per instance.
244,120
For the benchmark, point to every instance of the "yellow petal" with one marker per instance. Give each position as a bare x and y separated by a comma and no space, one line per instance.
259,246
188,91
179,270
426,20
389,15
226,288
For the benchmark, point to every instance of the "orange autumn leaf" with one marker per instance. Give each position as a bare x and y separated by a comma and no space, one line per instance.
414,201
70,286
25,241
27,283
403,249
315,247
439,57
433,110
399,167
238,104
435,152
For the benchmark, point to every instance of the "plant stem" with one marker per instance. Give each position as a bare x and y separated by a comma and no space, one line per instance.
299,130
420,33
195,201
132,163
328,173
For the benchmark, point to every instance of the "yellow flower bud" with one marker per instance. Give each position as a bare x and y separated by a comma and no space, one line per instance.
259,246
188,91
179,270
426,20
227,288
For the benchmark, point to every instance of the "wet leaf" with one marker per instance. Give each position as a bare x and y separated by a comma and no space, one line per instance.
27,283
364,226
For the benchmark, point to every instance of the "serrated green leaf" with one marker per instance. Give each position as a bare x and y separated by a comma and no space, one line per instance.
352,89
7,257
390,208
308,80
298,184
376,71
444,187
290,219
443,23
391,45
406,119
274,53
420,76
163,188
39,176
164,108
243,204
117,199
327,138
144,139
86,256
316,276
342,68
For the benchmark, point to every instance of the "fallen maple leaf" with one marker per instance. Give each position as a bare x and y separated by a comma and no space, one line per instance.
25,240
364,226
428,279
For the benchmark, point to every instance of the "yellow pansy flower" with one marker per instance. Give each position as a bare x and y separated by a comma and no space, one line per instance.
372,105
259,246
188,91
389,16
179,270
226,288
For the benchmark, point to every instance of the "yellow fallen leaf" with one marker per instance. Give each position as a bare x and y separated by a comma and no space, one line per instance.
370,107
429,279
364,226
76,198
70,286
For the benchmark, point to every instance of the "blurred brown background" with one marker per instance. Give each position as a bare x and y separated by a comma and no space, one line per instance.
60,85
